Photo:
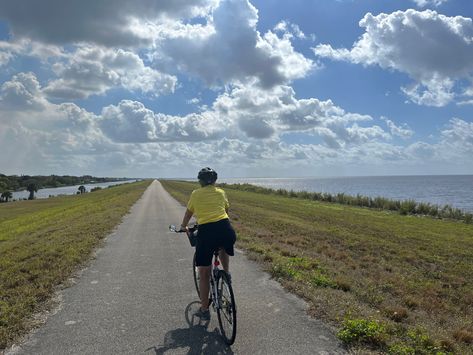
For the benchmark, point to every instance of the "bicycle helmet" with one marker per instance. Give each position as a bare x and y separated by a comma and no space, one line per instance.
207,176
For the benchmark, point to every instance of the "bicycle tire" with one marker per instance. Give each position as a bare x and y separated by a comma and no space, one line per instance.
226,310
196,276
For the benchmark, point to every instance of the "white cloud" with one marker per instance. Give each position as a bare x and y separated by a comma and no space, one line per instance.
403,131
290,29
21,93
120,23
425,3
94,70
458,136
127,137
193,101
25,47
131,121
229,49
467,97
433,49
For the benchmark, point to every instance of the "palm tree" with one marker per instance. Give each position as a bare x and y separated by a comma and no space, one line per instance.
6,195
32,187
82,189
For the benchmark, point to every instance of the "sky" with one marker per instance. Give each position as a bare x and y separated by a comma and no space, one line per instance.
261,88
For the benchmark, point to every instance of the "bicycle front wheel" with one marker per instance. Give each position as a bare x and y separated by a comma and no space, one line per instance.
195,268
226,310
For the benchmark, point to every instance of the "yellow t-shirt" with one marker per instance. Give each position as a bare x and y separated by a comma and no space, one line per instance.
208,204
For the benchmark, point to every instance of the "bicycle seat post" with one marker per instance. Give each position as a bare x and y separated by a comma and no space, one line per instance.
216,261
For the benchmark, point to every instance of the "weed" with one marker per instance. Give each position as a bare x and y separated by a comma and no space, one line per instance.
320,280
401,349
284,270
370,332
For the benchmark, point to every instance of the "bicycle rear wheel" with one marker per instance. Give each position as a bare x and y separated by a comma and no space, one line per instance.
195,268
226,310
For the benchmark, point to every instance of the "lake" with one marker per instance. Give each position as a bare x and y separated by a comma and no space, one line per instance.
455,190
64,190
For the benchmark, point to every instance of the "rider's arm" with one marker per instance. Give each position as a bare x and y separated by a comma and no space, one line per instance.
186,219
227,205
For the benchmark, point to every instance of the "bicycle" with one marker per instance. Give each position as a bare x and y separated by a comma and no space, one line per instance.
221,297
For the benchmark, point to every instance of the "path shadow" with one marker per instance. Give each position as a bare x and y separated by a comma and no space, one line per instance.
197,338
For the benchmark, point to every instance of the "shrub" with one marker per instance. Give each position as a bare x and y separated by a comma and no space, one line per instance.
362,331
468,218
320,280
408,207
404,207
423,208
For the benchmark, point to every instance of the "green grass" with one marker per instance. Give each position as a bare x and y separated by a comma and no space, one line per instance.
42,242
411,276
403,207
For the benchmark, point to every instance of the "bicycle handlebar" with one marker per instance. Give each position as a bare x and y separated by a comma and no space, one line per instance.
191,233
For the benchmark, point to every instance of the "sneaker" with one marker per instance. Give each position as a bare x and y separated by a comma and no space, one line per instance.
203,315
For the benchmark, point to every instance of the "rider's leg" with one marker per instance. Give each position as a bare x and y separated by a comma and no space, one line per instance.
224,259
204,272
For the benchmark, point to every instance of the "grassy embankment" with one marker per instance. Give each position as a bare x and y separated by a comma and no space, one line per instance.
389,283
43,241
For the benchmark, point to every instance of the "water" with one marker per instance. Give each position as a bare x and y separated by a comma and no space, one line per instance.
454,190
64,190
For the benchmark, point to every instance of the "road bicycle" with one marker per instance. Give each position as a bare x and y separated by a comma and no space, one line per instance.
222,299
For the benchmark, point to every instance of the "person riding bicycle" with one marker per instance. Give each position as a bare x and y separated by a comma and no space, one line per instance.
210,206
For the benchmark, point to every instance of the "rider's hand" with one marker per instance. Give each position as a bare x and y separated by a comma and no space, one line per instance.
183,228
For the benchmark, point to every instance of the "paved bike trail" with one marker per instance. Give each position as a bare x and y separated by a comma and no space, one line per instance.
137,297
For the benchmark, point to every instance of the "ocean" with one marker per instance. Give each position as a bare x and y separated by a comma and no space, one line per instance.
454,190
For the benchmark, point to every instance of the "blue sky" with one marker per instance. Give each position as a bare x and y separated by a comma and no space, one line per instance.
260,88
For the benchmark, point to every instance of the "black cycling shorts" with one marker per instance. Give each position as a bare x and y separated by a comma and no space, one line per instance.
211,236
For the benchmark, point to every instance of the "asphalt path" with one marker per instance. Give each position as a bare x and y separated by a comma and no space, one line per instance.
137,297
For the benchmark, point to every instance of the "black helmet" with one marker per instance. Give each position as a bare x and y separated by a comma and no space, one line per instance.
207,176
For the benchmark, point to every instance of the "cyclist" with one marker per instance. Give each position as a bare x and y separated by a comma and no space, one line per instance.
210,206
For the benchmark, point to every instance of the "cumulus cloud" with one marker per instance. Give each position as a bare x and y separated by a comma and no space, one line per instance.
458,135
402,131
230,49
5,55
243,127
131,121
433,49
246,112
94,70
22,93
116,23
26,47
425,3
264,113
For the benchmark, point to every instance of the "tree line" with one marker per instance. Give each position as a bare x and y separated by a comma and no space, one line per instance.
32,184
